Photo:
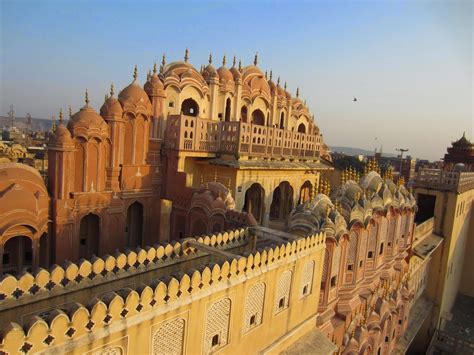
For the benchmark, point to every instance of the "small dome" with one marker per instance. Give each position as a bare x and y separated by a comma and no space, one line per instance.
235,73
86,117
62,136
224,73
133,94
111,108
209,73
153,86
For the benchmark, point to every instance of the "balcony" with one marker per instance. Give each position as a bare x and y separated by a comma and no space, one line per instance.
455,181
194,134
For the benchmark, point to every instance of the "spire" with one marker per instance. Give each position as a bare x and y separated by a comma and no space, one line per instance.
297,92
210,58
186,55
163,63
223,61
278,81
60,116
112,90
53,126
70,112
234,61
154,68
135,73
86,99
240,65
271,74
255,60
285,86
266,75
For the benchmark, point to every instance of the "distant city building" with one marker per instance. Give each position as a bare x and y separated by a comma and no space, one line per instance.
460,152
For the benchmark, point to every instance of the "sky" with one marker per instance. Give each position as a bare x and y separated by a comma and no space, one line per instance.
409,63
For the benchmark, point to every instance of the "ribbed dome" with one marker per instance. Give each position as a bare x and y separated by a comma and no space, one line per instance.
153,86
86,117
235,73
133,94
111,108
225,73
62,136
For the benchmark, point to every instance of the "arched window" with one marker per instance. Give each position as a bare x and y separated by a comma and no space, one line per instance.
243,114
17,255
134,227
254,198
254,306
282,202
89,232
217,325
282,296
282,120
258,117
190,107
227,110
301,128
169,338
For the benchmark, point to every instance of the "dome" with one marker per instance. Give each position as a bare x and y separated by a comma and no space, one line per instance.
111,107
460,167
86,117
235,73
209,73
153,86
224,73
133,94
62,136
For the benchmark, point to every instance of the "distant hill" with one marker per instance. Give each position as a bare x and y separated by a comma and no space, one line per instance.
38,124
357,151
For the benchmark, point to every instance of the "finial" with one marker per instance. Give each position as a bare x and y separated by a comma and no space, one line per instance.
297,92
255,61
148,75
278,81
87,99
135,73
240,65
223,61
111,89
266,75
163,60
53,126
285,86
106,97
60,116
186,55
271,74
154,68
234,61
210,58
70,112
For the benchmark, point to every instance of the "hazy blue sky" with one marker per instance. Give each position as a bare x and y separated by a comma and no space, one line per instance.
408,63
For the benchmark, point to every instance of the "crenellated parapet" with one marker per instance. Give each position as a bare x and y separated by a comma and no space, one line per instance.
69,328
71,276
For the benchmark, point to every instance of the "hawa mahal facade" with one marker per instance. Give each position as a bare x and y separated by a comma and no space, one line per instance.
190,211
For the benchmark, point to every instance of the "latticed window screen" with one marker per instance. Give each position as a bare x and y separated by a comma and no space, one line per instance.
336,259
254,306
217,325
282,299
169,338
352,248
109,350
307,278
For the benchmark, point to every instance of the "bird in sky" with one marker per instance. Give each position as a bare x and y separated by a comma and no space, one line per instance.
355,99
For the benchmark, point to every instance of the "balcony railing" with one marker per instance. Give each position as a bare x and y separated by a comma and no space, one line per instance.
445,180
187,133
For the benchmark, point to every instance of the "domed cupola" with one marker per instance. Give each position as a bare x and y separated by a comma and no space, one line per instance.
87,122
280,91
133,98
236,72
154,86
271,84
111,109
225,77
210,73
62,136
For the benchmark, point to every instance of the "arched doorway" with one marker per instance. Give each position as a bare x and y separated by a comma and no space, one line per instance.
282,120
89,233
243,114
305,192
17,255
258,117
190,107
254,202
134,227
282,202
227,110
301,128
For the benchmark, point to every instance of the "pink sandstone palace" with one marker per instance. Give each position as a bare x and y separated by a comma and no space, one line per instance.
190,215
